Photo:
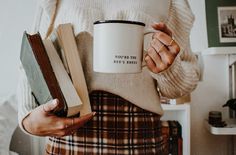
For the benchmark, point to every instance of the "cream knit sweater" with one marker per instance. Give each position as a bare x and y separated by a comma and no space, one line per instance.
140,89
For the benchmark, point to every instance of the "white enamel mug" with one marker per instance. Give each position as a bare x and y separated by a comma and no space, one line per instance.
118,46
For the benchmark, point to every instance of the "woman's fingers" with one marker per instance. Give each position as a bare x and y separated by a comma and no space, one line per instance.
162,27
156,64
166,57
167,41
40,123
164,34
77,122
160,57
68,126
163,49
151,65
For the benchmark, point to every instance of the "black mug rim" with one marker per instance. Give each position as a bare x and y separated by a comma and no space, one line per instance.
119,21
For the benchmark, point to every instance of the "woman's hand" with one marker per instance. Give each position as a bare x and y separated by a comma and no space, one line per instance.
162,50
42,122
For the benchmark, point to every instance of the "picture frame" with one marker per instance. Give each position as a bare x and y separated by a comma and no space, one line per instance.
221,22
227,24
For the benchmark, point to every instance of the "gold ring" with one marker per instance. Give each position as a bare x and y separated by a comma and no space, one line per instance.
171,42
160,49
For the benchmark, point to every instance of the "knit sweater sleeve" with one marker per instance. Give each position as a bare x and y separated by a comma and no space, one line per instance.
182,76
26,102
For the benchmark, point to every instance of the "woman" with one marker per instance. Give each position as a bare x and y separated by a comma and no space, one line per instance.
127,106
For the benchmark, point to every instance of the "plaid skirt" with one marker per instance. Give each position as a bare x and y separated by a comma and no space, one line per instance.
118,128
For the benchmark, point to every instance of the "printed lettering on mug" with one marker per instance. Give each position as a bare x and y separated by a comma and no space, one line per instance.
118,46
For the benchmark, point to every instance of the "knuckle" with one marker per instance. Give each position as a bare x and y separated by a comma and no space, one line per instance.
62,133
154,42
160,34
62,126
35,129
169,60
150,51
176,48
155,70
162,66
147,58
168,65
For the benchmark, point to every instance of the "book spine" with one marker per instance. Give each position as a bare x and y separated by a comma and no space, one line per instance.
173,143
165,132
180,138
68,43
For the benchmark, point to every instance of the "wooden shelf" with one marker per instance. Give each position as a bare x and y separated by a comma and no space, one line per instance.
219,50
169,107
230,129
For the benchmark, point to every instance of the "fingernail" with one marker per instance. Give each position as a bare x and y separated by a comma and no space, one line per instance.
154,23
55,101
94,113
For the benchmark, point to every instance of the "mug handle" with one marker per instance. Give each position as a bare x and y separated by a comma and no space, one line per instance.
148,31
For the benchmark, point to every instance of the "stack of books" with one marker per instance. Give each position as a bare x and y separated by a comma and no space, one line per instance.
55,73
172,137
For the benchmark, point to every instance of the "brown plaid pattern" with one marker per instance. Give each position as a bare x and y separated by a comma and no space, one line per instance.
118,128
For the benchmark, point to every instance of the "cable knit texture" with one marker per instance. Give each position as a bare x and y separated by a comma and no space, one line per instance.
140,89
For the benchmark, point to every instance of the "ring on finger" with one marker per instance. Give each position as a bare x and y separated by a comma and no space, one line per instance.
171,42
160,49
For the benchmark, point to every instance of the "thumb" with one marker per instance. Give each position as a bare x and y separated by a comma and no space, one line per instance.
50,106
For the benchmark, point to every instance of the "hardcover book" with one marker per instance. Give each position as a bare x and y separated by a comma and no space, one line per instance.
175,143
165,132
47,76
180,138
66,40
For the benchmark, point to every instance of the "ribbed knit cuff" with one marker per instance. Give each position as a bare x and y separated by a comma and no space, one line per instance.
179,79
